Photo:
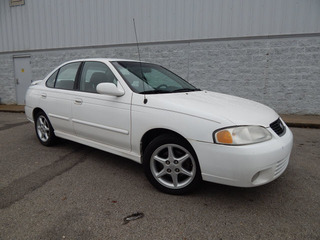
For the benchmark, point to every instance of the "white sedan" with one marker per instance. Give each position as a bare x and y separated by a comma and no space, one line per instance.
142,111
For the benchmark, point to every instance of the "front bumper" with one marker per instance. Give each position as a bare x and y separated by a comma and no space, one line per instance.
244,166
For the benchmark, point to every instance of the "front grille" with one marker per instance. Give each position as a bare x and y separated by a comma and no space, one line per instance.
278,127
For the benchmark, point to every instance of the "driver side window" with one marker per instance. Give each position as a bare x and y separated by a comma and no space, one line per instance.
94,73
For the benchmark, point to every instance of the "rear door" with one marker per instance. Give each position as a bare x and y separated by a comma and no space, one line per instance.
56,99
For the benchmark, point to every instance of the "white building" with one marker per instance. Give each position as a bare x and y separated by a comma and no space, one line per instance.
264,50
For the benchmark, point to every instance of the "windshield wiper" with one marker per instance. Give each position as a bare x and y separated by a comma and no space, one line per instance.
157,91
186,90
154,91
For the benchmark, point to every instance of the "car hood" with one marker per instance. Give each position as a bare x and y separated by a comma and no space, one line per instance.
218,107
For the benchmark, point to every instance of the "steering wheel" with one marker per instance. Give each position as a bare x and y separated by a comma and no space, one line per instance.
161,86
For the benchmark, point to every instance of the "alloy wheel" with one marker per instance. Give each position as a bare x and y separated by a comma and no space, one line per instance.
43,129
173,166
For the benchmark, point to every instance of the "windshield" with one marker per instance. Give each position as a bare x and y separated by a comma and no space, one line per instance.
147,78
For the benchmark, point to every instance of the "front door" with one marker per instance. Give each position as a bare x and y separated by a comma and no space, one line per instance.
101,118
23,76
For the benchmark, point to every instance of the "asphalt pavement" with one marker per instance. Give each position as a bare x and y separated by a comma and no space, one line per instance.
71,191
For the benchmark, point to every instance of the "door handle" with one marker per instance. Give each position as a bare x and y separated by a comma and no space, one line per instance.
17,81
43,95
78,101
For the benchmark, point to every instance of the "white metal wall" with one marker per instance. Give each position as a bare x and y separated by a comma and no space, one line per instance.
44,24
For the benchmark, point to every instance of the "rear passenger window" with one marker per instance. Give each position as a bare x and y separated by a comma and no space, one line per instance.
51,80
67,75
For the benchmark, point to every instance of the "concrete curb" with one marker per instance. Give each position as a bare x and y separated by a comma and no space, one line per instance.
303,125
302,121
12,108
299,121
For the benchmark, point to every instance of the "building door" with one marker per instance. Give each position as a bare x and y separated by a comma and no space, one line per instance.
22,73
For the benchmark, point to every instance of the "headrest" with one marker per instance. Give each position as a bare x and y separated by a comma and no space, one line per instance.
98,77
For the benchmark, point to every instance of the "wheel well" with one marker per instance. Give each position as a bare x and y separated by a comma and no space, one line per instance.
153,133
35,112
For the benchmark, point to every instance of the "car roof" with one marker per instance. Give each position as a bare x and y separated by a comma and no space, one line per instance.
102,60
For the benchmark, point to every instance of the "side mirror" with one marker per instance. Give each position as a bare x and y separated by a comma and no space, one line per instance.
110,89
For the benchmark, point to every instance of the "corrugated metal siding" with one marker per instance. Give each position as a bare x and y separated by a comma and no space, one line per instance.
73,23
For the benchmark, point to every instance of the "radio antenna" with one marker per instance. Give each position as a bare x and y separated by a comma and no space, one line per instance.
145,100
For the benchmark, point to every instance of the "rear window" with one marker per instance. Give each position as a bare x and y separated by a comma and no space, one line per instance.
51,80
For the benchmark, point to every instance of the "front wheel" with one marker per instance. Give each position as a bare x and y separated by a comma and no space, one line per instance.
171,165
44,130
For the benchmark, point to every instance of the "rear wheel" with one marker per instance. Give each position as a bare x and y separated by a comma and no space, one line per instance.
171,165
44,129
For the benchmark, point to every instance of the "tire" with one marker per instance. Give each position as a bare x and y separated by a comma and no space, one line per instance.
171,165
44,130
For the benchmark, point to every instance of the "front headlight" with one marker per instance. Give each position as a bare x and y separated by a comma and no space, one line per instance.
241,135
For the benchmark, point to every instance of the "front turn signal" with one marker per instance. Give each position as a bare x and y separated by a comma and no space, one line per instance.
224,137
